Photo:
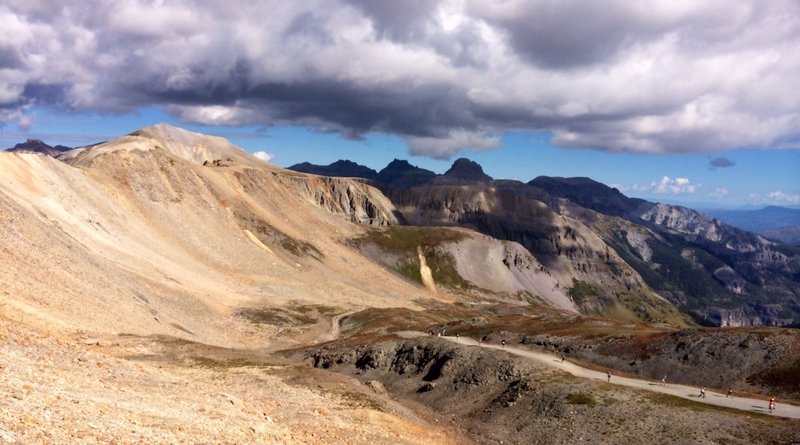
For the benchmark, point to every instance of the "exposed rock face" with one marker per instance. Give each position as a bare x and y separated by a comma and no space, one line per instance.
358,202
504,266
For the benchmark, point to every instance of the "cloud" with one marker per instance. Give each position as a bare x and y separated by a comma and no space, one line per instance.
263,155
719,192
784,197
677,186
721,163
445,75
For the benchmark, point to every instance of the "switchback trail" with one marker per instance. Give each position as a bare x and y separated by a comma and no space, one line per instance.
682,391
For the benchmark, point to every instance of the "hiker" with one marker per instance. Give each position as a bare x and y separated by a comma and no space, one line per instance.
503,343
664,380
609,375
703,392
771,404
562,358
730,391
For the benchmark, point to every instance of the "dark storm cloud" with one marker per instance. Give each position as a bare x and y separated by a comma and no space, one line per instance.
663,76
721,163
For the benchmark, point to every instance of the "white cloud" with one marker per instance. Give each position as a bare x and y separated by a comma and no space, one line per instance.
677,186
718,192
263,155
784,197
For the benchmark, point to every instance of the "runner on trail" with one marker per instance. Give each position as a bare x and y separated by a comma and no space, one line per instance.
609,375
503,343
562,358
664,380
703,392
771,404
730,391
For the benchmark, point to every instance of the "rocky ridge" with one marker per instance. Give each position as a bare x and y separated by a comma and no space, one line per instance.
717,273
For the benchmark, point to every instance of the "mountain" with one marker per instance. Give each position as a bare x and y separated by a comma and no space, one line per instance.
167,265
760,220
463,171
717,273
588,193
341,168
401,174
37,146
788,235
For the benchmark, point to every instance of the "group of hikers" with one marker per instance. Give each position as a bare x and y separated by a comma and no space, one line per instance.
608,374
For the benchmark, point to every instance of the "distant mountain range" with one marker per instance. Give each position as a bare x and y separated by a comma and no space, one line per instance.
37,146
616,248
774,222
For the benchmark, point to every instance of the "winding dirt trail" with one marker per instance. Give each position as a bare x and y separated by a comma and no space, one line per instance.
682,391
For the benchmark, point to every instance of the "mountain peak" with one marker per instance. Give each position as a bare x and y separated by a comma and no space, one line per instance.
401,174
465,169
178,142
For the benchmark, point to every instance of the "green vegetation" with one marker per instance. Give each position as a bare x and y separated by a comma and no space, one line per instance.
286,316
408,239
405,242
580,290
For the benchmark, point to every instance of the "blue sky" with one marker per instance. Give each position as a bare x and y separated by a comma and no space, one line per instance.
754,175
679,101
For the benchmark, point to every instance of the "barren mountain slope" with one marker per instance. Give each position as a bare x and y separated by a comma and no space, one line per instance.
135,248
138,236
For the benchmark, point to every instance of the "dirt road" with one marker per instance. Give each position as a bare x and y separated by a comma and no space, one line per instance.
686,392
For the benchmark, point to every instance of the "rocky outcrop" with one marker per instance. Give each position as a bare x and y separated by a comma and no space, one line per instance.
356,201
748,315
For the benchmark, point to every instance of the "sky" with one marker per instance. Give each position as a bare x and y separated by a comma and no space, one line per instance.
691,102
